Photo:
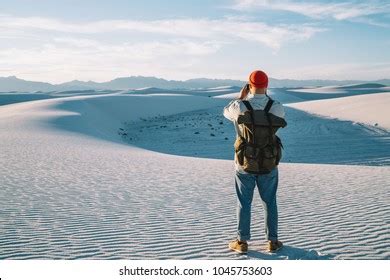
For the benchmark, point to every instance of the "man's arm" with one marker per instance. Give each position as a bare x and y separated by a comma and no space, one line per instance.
232,110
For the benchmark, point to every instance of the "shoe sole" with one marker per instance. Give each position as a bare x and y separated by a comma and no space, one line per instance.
273,251
238,251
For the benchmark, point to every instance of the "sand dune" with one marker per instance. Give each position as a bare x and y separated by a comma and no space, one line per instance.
72,188
369,109
353,89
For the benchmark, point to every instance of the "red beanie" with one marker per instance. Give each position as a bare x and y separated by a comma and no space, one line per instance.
258,79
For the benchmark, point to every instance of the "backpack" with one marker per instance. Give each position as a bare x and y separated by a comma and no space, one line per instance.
258,150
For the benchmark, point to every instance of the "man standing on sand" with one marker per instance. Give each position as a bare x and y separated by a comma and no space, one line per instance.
253,166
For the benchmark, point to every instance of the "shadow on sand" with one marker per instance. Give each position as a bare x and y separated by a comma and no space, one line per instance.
307,138
289,253
207,134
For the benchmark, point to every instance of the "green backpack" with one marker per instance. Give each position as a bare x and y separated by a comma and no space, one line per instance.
258,150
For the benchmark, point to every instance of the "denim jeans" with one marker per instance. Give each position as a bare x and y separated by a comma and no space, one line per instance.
267,185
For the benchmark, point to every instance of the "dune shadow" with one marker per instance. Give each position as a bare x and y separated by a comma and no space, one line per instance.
289,253
205,133
6,99
307,138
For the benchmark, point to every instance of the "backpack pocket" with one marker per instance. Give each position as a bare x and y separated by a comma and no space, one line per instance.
239,148
252,152
270,151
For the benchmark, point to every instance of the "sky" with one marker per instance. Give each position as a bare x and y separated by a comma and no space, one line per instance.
60,41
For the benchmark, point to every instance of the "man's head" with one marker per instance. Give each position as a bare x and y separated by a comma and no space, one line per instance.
258,82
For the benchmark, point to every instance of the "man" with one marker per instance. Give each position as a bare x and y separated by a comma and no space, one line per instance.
245,182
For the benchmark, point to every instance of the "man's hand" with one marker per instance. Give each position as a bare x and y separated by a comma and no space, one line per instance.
244,92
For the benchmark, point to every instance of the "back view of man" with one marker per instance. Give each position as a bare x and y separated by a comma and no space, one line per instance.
256,118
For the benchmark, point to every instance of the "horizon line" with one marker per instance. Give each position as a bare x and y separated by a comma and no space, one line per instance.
178,80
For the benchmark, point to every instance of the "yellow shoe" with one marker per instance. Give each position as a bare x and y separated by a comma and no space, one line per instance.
239,246
274,246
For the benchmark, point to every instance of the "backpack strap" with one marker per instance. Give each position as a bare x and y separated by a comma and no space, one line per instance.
266,110
247,105
269,105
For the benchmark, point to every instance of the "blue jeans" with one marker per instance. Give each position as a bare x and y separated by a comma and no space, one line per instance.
267,185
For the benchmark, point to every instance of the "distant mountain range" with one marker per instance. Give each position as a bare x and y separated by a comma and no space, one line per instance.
12,83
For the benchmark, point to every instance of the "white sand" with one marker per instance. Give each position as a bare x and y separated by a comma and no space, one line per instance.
71,188
354,88
371,109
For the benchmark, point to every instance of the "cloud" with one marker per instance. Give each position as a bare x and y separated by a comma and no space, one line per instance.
272,36
68,58
65,51
56,50
150,49
319,10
